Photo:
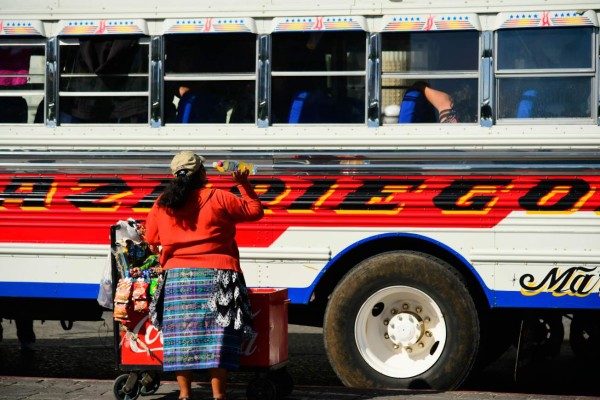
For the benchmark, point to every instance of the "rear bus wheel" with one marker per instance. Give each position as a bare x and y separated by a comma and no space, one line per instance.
401,320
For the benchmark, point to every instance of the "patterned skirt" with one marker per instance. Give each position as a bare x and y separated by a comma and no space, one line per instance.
195,333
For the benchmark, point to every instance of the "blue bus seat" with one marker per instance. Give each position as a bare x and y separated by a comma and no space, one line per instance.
198,107
416,108
297,106
526,108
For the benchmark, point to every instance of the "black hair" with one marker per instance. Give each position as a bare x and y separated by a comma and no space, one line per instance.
178,189
420,85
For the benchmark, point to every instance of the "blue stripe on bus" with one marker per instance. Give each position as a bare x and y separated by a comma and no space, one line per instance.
504,299
305,294
299,295
49,290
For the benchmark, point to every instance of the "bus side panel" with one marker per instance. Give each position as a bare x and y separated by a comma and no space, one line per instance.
528,237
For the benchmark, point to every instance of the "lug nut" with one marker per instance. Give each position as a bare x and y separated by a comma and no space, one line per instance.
385,335
418,310
394,311
428,334
386,322
405,306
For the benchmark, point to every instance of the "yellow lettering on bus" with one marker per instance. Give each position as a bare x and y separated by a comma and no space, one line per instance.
467,199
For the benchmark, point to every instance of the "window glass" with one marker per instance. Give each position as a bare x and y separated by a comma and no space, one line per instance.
463,94
318,77
318,100
545,48
319,51
210,53
568,97
430,51
210,78
22,76
545,73
419,79
117,66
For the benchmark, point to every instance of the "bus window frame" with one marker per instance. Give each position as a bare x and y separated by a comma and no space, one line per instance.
214,77
426,75
355,73
27,41
73,40
505,74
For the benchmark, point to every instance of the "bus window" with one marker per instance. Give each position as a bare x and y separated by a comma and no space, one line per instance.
447,61
210,78
318,77
542,97
104,79
545,72
22,66
545,48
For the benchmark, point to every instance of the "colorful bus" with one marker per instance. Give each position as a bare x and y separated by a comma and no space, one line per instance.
423,249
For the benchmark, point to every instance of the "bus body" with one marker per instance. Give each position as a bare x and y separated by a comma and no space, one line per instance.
421,248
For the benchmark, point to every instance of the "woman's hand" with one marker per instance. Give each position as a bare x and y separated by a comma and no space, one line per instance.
241,177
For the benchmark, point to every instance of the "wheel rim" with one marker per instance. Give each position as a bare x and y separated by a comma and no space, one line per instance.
400,331
119,385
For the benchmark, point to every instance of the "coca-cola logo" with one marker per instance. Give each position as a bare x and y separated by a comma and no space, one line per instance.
152,339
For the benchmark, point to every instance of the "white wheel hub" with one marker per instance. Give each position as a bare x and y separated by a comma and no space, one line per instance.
400,331
405,329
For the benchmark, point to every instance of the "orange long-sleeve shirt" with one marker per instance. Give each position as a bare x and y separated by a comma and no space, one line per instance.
202,233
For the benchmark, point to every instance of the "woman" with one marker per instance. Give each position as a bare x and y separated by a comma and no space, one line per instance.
206,306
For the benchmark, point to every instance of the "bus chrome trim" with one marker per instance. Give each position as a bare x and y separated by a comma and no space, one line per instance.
315,163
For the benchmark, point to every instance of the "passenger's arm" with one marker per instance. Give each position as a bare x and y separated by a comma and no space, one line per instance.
443,103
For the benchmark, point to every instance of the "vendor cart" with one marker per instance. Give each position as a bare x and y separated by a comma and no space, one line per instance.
138,343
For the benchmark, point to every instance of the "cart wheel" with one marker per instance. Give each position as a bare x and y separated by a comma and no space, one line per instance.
119,388
283,381
150,388
149,382
261,389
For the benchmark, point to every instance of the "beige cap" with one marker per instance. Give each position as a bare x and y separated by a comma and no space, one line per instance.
186,160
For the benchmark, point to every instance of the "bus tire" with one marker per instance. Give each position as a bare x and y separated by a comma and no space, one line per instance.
403,320
584,336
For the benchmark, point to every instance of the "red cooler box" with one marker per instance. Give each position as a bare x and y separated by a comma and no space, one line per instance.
142,348
269,346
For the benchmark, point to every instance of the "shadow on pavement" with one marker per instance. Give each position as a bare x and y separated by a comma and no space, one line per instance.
88,352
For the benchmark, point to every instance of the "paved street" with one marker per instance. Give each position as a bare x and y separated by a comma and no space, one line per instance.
69,389
80,364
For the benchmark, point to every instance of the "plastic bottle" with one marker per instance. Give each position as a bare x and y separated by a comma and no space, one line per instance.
233,165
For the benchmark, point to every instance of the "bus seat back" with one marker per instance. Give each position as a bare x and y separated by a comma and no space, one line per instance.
416,108
526,107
